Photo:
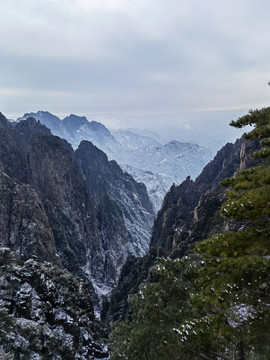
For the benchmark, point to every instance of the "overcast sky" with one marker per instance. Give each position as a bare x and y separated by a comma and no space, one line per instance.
188,66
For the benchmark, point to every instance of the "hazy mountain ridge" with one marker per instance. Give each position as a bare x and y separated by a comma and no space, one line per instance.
150,161
76,128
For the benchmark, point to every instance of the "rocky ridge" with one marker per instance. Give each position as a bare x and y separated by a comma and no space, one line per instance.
61,210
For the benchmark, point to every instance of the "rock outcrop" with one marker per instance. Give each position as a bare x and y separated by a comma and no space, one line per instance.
106,177
45,312
190,211
24,225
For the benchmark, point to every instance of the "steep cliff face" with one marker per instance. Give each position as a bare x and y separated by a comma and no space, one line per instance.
190,211
12,160
46,312
24,225
124,212
179,203
54,172
24,222
46,199
106,177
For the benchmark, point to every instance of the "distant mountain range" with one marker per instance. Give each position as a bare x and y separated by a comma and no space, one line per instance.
146,158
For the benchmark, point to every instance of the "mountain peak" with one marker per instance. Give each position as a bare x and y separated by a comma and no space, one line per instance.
73,122
32,125
40,115
97,126
3,120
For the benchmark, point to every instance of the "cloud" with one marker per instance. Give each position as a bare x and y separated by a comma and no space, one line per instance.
108,5
184,57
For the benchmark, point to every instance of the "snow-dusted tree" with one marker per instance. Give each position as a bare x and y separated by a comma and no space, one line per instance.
158,328
234,283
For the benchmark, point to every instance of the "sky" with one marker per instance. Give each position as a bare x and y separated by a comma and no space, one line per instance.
182,68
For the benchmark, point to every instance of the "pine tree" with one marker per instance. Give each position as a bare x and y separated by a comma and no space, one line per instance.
161,312
234,283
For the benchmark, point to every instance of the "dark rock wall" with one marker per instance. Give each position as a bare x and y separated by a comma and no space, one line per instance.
45,313
190,211
24,225
124,212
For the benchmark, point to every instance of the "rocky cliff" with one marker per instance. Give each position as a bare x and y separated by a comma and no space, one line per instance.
45,312
106,177
190,211
123,210
24,222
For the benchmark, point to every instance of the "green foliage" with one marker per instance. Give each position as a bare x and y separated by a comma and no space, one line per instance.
161,309
260,120
234,281
249,198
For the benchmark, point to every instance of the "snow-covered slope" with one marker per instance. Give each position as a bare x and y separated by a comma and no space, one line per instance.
174,159
131,141
156,184
148,160
157,165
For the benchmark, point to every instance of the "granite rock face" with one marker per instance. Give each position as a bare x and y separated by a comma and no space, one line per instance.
106,177
24,222
54,172
44,197
123,210
190,211
24,225
46,312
